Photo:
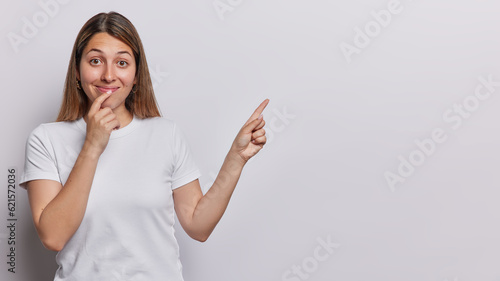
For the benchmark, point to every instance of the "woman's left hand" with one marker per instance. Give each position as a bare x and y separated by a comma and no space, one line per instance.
252,136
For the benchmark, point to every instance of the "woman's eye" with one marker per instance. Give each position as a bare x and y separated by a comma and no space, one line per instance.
122,63
95,61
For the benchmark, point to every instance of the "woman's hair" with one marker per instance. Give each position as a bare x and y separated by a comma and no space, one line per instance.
142,102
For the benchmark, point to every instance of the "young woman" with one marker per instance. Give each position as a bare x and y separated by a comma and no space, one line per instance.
104,180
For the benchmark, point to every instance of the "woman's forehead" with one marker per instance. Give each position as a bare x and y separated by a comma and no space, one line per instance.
104,43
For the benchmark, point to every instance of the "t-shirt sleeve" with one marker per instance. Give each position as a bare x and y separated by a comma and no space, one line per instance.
185,169
39,162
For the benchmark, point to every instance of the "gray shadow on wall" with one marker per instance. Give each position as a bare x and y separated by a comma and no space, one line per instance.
40,262
35,262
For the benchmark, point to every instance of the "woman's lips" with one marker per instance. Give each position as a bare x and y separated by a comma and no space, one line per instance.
107,89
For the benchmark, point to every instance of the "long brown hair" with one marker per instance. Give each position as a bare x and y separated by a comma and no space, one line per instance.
142,102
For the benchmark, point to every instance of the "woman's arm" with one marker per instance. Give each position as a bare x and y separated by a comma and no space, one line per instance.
58,210
199,214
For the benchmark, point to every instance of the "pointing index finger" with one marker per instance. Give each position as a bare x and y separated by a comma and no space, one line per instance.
96,105
258,111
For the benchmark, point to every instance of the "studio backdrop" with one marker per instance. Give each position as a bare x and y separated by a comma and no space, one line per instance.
382,161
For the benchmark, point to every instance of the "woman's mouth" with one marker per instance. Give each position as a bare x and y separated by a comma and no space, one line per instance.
107,89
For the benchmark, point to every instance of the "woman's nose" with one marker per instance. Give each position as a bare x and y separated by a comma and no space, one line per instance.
108,74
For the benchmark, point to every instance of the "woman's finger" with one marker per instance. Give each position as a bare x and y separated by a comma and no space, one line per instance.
262,123
108,118
258,111
101,113
258,133
260,140
113,125
251,126
96,105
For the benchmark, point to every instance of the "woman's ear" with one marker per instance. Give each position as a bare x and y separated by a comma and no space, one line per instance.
77,74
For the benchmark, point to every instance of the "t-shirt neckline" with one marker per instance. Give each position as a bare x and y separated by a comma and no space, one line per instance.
116,133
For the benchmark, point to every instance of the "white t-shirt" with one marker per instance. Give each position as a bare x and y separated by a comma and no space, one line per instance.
127,232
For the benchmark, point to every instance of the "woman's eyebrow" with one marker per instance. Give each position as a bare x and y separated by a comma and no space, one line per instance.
118,53
124,52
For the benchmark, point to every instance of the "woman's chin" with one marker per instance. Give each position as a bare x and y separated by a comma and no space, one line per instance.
113,106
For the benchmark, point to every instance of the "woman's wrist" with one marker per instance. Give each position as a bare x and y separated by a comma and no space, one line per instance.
91,151
235,157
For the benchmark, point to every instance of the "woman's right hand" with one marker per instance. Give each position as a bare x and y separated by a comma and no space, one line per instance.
100,123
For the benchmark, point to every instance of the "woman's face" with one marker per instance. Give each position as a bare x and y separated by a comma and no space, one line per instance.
107,64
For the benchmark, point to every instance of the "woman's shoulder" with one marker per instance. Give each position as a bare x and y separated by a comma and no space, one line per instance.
61,124
61,127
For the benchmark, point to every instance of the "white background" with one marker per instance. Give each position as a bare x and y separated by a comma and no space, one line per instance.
337,124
